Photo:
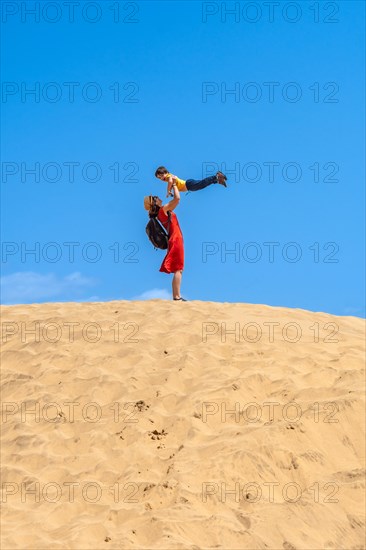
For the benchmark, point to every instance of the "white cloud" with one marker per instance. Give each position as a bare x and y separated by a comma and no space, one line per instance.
153,294
28,286
92,299
352,311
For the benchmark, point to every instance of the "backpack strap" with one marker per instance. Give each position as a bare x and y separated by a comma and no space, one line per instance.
159,222
169,220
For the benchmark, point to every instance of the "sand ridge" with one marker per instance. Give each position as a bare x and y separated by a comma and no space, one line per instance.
168,425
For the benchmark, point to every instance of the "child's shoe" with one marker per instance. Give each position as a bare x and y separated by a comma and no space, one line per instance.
221,178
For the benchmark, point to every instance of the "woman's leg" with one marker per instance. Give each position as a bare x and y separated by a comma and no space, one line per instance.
177,279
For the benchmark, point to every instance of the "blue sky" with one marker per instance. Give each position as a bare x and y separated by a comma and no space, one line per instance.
173,65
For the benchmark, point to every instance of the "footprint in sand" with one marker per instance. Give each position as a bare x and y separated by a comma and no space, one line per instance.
244,521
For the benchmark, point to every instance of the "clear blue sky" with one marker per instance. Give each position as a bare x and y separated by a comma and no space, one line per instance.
169,51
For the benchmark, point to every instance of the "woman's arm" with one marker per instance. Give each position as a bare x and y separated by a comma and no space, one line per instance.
174,202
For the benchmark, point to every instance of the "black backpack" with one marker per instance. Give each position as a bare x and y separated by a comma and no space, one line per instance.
157,234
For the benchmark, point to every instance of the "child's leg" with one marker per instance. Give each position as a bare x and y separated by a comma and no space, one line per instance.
196,185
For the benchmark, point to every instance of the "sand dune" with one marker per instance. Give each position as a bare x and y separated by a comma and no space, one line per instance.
149,425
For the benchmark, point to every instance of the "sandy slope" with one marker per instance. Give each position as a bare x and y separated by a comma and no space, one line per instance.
131,443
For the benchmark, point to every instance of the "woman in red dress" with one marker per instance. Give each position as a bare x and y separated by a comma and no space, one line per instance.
174,259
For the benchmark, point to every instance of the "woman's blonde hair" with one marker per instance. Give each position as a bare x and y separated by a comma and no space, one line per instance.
150,205
147,202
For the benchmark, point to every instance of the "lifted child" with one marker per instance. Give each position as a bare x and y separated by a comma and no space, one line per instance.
188,185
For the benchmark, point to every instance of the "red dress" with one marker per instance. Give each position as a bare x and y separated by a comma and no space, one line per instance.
174,260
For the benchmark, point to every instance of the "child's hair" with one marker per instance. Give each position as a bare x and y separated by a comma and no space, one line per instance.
161,171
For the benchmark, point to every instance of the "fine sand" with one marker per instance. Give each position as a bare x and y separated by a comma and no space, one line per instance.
144,425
